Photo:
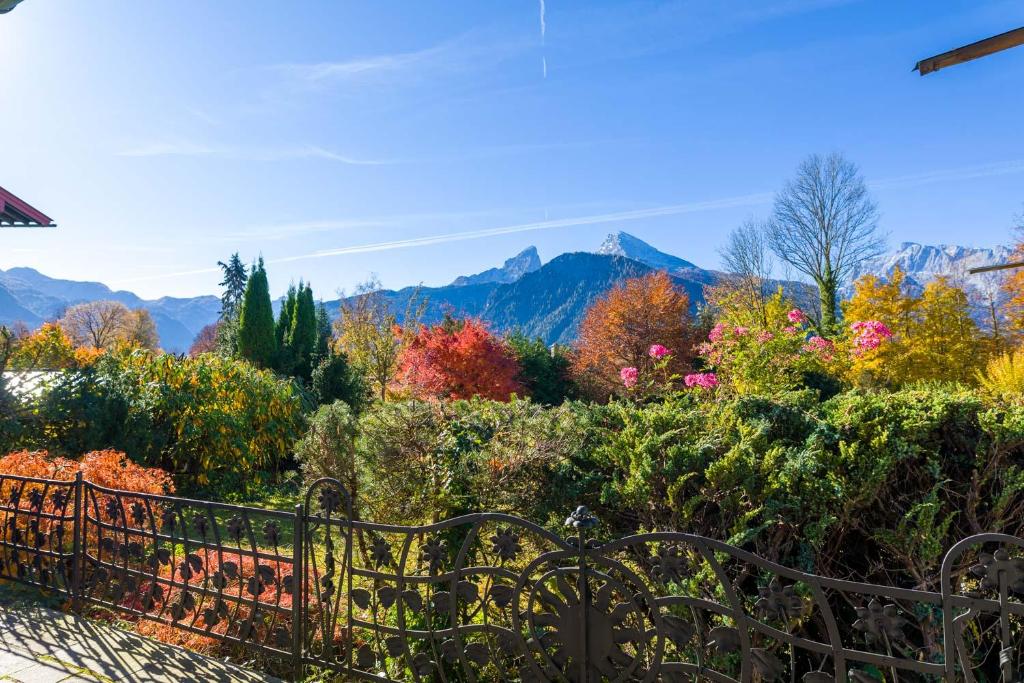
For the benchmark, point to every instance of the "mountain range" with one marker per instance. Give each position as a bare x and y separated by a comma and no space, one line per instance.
29,297
540,299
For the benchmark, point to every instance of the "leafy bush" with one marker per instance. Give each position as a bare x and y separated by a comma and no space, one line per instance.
1004,376
335,379
205,419
543,371
421,461
328,448
110,469
898,476
773,357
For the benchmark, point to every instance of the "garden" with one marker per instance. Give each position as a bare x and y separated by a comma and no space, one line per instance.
779,431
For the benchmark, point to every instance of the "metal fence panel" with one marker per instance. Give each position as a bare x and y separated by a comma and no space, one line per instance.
491,596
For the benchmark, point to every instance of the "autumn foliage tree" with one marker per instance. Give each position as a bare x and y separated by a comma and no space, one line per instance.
933,335
106,324
619,329
457,362
1013,286
206,340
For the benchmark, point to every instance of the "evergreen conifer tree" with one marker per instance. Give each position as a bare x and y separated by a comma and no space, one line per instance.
323,334
256,341
302,337
233,284
282,331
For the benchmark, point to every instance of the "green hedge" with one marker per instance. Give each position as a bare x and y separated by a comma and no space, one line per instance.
897,476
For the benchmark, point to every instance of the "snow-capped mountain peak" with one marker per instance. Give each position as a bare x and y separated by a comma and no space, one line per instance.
624,244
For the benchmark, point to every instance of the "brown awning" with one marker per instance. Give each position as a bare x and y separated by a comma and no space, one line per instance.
17,213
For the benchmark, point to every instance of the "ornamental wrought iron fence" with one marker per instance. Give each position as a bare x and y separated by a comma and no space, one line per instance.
490,596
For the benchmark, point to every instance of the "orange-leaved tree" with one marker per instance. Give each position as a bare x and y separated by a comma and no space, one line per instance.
459,361
620,328
1013,286
48,348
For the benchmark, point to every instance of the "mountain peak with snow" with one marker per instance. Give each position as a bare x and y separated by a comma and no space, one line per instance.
526,261
626,245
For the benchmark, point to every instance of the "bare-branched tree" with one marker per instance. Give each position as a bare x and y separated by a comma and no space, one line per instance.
95,323
824,224
747,258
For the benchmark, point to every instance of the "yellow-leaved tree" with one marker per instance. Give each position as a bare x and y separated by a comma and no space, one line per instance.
889,302
933,335
946,340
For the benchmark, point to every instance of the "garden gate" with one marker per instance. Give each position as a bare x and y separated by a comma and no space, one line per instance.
490,596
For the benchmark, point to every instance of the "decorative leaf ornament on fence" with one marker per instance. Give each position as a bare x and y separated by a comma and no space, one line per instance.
491,597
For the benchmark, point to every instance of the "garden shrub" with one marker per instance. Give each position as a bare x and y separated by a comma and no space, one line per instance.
1003,376
208,420
109,469
423,461
328,448
897,476
335,379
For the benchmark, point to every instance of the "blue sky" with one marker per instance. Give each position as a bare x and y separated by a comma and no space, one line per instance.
422,140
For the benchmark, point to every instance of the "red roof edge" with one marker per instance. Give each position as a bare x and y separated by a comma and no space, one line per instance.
24,207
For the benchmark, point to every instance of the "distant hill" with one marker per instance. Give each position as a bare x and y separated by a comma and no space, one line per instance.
28,296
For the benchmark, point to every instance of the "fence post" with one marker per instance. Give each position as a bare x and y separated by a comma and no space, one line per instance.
581,520
298,591
76,544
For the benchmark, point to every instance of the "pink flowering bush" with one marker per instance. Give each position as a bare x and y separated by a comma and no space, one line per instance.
704,380
657,351
767,359
824,348
868,335
654,378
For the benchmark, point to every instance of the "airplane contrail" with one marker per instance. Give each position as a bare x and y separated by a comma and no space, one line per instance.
1012,166
543,39
617,217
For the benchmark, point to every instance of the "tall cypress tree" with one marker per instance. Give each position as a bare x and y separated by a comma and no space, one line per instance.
256,341
302,338
285,357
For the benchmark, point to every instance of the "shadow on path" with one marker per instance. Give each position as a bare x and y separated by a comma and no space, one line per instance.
39,644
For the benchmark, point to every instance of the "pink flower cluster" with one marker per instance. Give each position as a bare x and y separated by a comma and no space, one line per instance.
704,380
766,336
629,376
796,316
739,330
657,351
716,333
869,335
824,348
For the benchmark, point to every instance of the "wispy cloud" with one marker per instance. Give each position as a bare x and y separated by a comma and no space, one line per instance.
616,217
738,201
365,67
290,230
463,54
950,174
246,153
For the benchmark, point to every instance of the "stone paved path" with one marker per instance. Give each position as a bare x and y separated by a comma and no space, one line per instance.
41,645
